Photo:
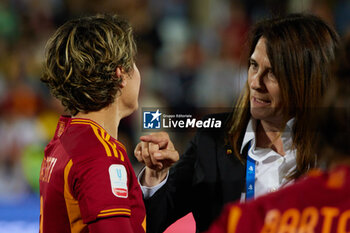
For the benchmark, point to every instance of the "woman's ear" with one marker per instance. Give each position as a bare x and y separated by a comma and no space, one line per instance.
119,72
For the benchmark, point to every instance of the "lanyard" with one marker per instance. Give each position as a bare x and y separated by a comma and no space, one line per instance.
250,176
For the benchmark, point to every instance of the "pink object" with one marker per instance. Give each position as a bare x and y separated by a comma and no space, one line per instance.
185,224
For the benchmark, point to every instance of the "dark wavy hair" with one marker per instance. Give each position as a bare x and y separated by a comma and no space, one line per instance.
300,48
81,61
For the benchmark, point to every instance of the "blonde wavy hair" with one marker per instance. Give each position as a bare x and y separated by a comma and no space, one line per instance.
81,61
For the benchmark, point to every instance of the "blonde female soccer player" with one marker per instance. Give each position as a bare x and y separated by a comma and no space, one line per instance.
87,183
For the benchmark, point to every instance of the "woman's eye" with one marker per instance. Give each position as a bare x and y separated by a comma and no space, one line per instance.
253,65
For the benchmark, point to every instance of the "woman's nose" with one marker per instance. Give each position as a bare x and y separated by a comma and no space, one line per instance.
256,81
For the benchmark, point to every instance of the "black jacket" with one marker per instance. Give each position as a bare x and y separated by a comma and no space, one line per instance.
202,181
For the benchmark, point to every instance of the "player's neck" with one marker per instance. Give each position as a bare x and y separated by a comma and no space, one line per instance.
108,118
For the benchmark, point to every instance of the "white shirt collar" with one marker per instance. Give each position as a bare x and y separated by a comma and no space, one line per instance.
249,133
251,129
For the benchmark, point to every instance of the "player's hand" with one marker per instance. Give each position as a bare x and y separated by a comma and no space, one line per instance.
157,152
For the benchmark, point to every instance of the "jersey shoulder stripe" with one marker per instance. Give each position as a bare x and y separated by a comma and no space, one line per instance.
103,137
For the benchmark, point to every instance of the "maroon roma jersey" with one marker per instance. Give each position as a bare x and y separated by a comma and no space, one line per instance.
319,203
86,176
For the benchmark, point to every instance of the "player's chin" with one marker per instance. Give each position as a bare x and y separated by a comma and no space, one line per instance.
132,108
136,106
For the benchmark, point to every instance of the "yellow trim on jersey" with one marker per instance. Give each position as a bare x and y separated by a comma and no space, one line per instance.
100,138
80,123
121,145
113,145
233,218
73,210
118,209
103,137
120,153
86,121
41,215
114,213
77,120
106,137
144,224
108,151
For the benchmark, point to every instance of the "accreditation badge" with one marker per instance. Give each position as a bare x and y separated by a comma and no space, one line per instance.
119,180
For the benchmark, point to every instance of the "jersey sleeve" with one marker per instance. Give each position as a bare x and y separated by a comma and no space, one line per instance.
238,218
100,184
109,225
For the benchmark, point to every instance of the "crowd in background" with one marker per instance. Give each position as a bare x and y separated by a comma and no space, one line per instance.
189,55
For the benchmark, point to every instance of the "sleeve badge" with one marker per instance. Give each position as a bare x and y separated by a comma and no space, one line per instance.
119,180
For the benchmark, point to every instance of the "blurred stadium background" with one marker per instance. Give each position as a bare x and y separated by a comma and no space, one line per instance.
190,55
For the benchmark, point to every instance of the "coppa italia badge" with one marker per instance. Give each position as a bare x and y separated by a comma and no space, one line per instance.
119,180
